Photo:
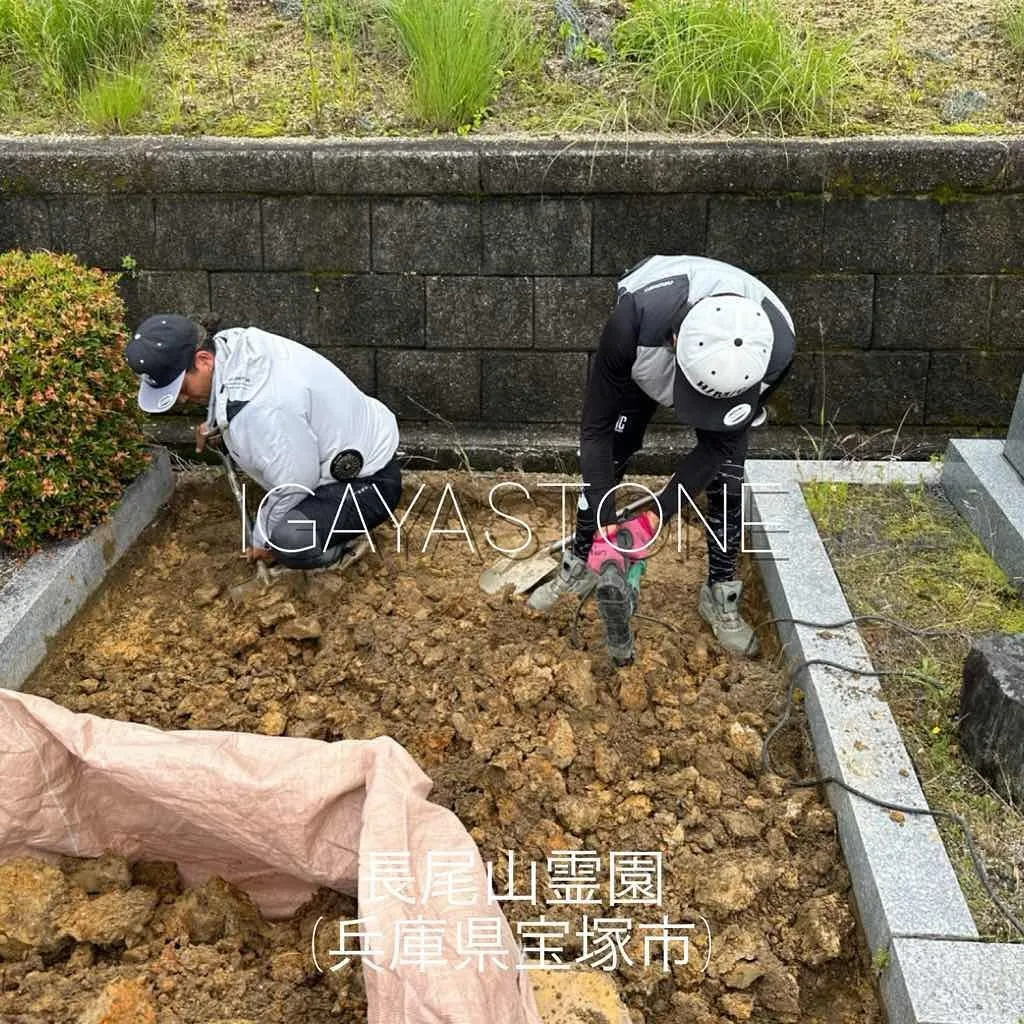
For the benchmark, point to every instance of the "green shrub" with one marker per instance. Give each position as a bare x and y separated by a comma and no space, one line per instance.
708,64
458,51
70,428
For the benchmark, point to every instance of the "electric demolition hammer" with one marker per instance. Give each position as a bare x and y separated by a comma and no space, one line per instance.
618,588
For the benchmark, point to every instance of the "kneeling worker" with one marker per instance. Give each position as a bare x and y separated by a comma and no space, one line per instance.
712,342
291,420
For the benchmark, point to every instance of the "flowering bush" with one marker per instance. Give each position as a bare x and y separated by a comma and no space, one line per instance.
70,428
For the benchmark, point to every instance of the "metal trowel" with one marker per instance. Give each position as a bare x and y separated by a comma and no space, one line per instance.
522,574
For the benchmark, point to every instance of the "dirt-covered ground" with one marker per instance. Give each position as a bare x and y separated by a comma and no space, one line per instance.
99,941
537,745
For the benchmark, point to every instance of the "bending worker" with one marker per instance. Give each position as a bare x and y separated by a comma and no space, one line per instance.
291,420
712,342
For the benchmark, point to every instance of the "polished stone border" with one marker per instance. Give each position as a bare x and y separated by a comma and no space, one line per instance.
989,493
46,592
908,898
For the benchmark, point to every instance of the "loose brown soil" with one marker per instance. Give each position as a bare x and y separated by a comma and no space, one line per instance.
100,942
536,745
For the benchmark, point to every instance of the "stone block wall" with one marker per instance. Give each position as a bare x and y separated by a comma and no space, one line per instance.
467,281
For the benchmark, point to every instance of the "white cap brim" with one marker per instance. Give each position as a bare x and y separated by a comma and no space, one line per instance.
154,399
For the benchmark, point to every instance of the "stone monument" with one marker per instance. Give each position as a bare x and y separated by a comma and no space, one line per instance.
984,479
992,712
1013,450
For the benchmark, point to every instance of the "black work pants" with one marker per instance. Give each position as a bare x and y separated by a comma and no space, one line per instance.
724,494
319,530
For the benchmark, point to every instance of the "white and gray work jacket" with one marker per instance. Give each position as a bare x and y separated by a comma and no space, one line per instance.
285,412
637,349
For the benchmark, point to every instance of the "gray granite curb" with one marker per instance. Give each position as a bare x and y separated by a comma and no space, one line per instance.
937,982
44,594
989,494
908,898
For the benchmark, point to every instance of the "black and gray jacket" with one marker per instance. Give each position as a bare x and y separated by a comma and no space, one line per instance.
637,349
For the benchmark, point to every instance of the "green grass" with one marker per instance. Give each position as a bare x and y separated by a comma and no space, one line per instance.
113,102
73,43
903,552
341,68
457,52
8,95
826,502
1013,27
353,22
730,63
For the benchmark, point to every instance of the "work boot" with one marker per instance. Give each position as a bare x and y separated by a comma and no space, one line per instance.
719,607
336,558
573,578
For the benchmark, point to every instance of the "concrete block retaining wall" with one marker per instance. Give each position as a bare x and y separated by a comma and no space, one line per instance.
467,280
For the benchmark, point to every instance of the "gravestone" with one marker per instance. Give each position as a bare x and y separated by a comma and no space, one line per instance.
992,712
1014,447
984,479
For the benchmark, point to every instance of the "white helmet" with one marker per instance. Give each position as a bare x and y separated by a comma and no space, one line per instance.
724,345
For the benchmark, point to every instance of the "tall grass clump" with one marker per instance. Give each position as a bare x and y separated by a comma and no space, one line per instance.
72,43
708,64
1013,27
114,100
458,51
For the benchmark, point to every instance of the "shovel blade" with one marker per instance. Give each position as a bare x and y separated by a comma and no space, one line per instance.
522,574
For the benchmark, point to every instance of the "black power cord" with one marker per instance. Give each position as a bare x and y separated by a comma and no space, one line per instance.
826,780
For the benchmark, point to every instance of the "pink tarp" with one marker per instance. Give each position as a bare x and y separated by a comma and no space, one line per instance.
278,817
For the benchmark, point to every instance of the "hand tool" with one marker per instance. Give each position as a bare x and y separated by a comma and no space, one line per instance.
523,574
236,490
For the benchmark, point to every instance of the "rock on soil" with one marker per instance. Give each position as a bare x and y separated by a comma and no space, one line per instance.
991,725
537,745
122,1002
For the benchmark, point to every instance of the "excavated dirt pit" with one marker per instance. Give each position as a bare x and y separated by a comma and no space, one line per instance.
538,746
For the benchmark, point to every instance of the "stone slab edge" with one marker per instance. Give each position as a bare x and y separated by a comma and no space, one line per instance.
910,903
936,982
639,165
1014,449
47,591
989,494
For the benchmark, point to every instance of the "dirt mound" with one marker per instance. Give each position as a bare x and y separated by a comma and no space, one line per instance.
99,941
536,745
